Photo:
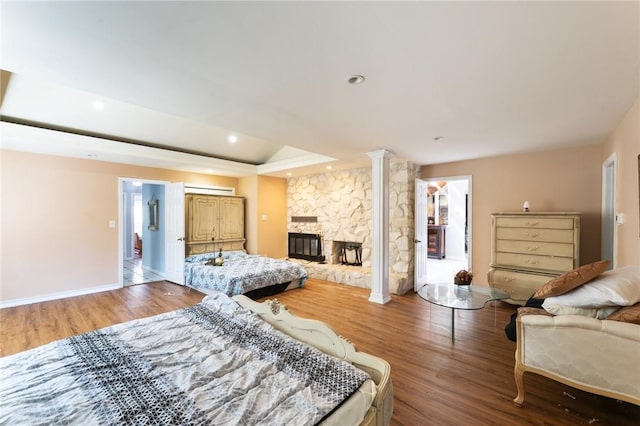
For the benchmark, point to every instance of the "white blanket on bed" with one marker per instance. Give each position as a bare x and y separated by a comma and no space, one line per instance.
214,363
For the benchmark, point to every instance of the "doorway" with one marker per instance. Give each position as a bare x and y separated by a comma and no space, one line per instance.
448,203
608,210
142,250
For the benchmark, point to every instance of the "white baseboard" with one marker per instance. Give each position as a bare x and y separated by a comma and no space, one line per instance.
55,296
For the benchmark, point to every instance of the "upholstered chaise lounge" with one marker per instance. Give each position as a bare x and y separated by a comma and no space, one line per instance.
588,334
599,356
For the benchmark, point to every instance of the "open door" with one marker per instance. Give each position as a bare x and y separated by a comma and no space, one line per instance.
175,232
607,247
420,214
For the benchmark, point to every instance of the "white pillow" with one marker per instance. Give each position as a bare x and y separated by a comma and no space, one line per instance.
599,313
619,287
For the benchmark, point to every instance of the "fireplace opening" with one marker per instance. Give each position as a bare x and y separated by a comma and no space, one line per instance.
347,253
305,246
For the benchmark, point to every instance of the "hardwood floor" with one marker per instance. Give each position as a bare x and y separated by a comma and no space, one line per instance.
436,382
29,326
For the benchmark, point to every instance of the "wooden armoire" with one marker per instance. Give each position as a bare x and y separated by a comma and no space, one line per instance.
213,222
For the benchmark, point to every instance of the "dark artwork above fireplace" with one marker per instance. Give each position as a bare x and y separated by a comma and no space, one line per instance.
305,246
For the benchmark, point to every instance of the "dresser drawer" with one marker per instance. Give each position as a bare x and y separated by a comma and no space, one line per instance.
535,222
535,247
525,261
528,234
519,286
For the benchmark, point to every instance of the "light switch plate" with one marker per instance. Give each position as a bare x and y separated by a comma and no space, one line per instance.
112,224
620,218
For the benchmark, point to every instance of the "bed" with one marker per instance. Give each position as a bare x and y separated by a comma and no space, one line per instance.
241,273
222,361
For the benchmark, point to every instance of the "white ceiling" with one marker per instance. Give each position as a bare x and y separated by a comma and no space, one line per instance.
490,78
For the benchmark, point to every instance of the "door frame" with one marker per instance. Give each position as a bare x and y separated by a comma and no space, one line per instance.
421,238
469,179
608,222
121,228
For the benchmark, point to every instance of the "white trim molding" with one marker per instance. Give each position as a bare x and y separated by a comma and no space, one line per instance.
55,296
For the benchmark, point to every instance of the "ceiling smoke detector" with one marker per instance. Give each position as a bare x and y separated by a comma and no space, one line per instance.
356,79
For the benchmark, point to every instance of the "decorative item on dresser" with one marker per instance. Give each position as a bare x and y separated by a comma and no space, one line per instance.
213,223
529,249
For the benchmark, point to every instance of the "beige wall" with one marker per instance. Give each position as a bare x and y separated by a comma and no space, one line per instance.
248,188
266,215
557,180
625,143
272,216
55,214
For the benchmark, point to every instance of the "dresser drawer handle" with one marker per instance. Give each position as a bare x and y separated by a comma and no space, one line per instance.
532,262
532,235
536,223
532,248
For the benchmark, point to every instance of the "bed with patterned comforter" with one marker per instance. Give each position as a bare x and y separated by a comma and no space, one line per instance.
240,273
213,363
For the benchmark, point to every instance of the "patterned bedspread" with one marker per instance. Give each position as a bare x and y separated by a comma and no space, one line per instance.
240,273
213,363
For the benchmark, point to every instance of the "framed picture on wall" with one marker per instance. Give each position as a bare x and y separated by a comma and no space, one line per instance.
153,215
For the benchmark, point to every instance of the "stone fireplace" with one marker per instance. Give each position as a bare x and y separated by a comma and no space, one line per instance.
340,206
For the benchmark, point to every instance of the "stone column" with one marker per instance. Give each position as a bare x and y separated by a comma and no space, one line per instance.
380,247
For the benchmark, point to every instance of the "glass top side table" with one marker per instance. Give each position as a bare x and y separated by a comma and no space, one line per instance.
466,297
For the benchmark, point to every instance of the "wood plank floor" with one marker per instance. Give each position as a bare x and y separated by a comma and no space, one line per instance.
436,382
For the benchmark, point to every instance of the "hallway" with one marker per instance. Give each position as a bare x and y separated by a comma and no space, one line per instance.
134,273
443,270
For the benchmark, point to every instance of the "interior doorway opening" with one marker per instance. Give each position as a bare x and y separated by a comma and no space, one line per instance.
142,251
138,234
448,227
608,231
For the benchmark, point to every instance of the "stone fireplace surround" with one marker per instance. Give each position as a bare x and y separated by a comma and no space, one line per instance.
342,203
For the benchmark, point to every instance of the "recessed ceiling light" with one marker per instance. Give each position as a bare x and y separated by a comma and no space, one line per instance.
209,171
232,139
98,105
289,173
356,79
329,167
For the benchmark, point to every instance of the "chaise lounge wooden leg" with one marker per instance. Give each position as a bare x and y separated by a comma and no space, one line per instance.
518,373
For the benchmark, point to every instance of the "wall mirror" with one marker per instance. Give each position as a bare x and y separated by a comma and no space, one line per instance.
153,215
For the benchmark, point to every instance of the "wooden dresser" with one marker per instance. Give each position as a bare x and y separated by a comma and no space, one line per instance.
529,249
213,222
